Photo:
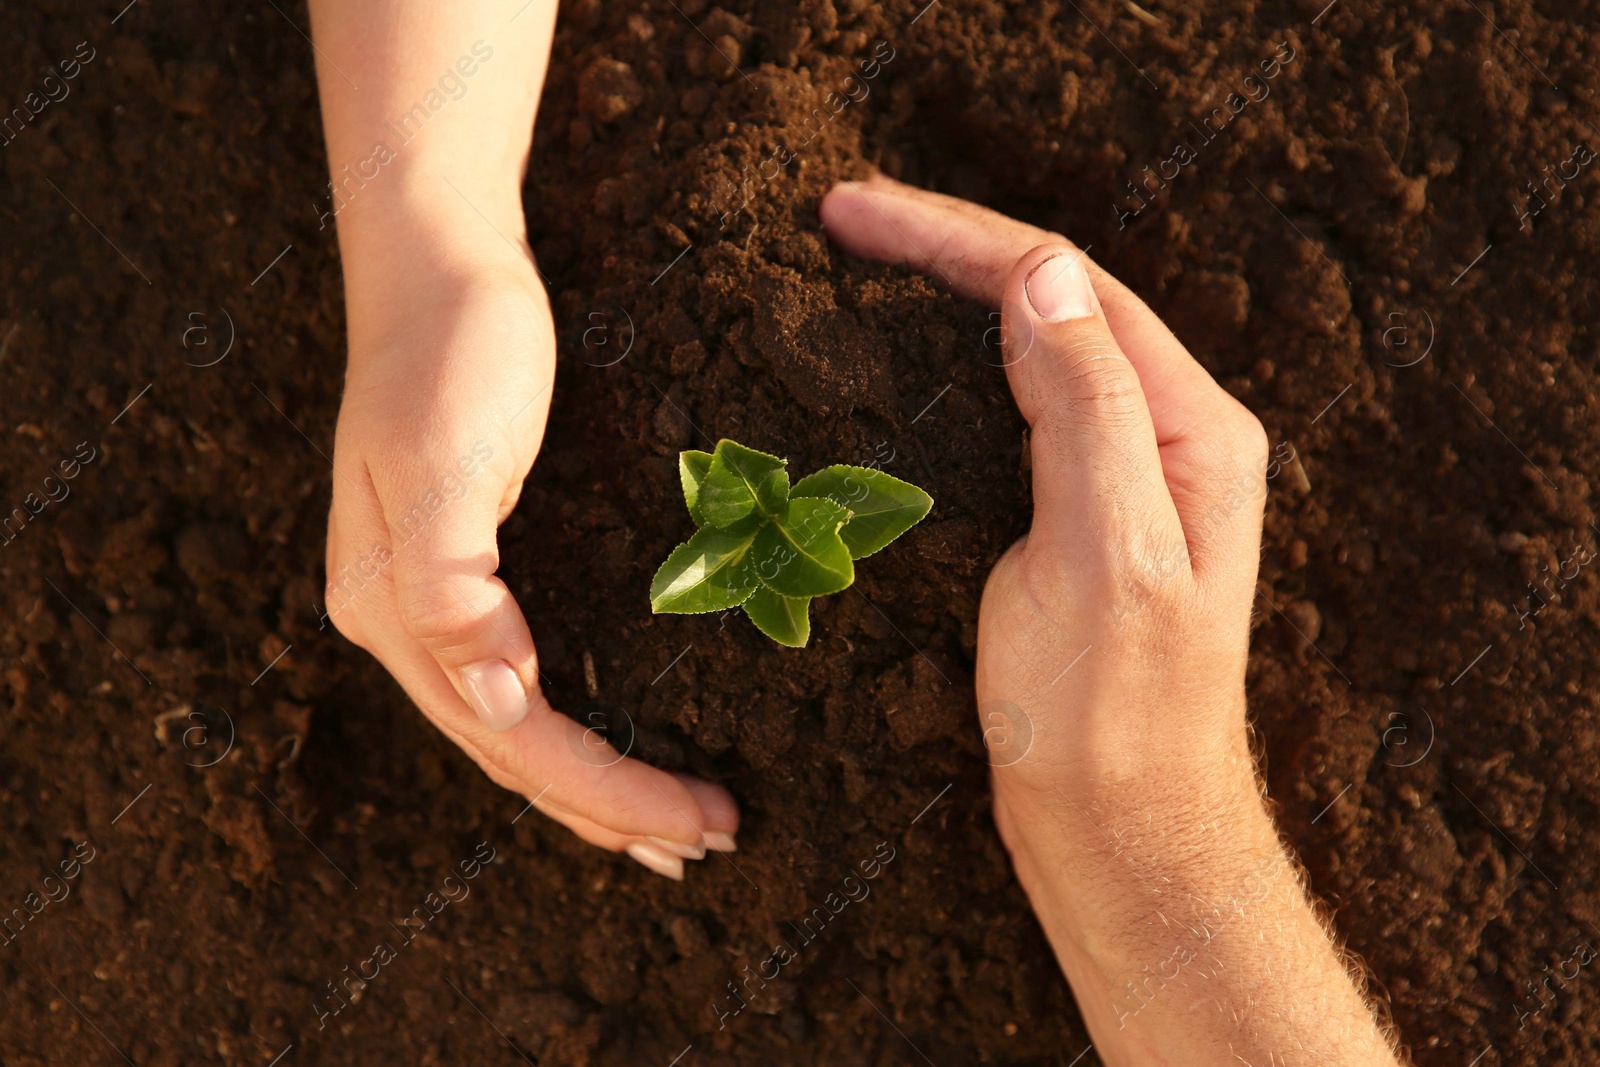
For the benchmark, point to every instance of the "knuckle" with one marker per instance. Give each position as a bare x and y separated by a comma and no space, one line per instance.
1243,453
350,628
1250,437
339,602
1098,383
433,615
1045,581
1123,581
1149,585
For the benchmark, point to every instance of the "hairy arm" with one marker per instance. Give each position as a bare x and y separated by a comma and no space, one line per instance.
1184,928
1114,639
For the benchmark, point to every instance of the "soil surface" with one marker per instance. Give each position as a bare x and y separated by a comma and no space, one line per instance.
1355,250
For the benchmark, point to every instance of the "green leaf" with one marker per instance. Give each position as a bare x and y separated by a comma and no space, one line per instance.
709,572
800,554
692,468
742,480
772,549
881,507
787,620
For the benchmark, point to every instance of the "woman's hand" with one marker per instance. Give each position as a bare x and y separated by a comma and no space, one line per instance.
1112,645
448,386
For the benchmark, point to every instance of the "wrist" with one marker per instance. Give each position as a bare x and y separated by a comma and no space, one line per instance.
1169,899
411,213
1077,751
412,240
1137,891
1114,866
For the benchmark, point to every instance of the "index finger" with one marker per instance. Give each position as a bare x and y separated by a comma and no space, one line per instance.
1209,443
555,759
543,753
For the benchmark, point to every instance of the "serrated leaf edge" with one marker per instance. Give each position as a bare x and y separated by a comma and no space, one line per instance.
657,575
683,473
723,454
805,609
867,473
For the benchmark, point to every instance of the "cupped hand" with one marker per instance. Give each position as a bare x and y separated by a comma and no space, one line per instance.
1113,637
1112,645
451,367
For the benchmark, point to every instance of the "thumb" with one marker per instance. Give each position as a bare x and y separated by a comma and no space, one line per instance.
450,602
1096,463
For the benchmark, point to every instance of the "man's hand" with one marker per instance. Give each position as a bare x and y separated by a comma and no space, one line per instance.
451,367
1112,646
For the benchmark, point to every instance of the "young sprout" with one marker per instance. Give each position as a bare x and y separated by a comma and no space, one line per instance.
769,547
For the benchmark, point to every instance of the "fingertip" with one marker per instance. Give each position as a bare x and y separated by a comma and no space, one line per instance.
844,215
1047,298
720,842
657,859
717,806
845,185
860,216
496,693
1029,262
1057,287
688,852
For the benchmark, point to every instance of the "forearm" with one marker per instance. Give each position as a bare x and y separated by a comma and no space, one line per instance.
428,112
1112,695
1185,932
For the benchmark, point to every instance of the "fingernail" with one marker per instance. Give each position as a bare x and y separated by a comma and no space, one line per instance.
1059,288
719,841
688,852
657,859
495,693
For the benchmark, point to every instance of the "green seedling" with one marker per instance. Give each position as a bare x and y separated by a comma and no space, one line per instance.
770,547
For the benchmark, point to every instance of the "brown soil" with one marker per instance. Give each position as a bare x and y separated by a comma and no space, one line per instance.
1432,748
